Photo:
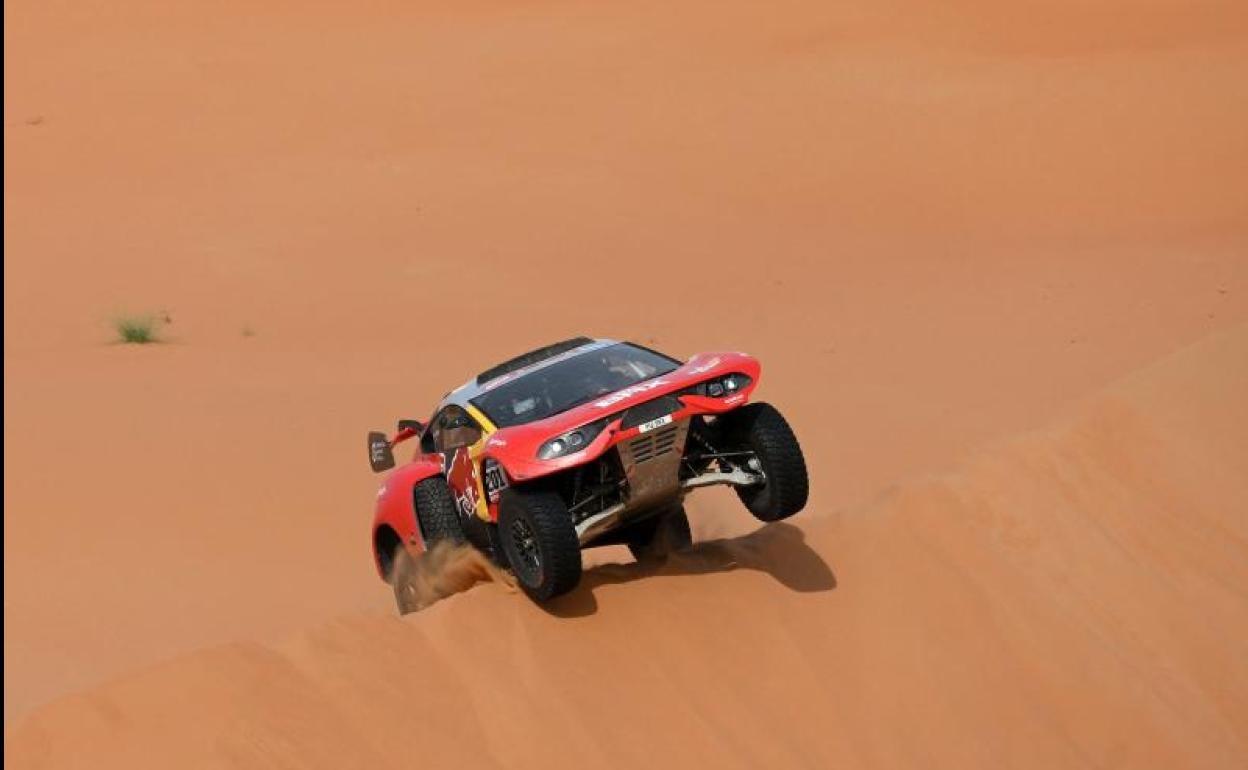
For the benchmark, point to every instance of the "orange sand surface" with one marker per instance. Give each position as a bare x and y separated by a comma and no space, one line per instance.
994,259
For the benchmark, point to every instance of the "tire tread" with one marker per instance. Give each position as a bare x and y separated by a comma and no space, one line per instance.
761,427
557,542
435,512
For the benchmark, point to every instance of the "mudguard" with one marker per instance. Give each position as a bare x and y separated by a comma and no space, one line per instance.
396,508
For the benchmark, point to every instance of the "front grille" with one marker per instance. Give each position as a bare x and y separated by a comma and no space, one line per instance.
650,410
655,444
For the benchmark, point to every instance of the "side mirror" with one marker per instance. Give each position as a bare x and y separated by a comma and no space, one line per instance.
380,455
416,426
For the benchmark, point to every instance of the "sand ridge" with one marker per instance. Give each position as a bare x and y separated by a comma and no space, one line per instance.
1070,597
937,227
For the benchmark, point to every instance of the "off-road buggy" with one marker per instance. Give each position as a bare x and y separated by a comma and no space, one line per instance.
580,444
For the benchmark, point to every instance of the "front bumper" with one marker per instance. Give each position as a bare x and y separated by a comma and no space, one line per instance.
651,462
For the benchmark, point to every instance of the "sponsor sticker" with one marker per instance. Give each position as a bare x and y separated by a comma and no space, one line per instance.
706,367
461,475
646,427
495,480
620,395
467,501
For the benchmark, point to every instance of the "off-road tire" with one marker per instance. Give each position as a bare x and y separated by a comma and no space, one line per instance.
761,428
496,554
537,523
435,512
652,540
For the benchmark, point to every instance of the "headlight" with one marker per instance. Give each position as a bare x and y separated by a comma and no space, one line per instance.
572,441
722,386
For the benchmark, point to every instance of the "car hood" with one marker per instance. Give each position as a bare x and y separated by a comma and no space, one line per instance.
516,447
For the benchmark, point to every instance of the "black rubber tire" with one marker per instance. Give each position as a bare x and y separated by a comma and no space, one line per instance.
435,512
761,428
497,555
540,542
652,540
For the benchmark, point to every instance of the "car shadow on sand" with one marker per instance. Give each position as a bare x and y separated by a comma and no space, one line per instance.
779,549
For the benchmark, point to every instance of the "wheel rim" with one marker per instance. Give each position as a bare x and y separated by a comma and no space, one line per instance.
528,559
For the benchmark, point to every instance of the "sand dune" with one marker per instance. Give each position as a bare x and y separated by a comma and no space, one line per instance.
1075,597
938,226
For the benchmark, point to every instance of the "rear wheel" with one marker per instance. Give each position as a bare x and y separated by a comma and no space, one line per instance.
761,429
652,540
435,512
439,522
540,542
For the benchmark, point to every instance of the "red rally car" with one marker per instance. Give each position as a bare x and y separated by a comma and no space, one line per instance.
579,444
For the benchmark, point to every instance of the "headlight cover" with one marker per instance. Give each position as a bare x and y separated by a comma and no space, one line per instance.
721,386
572,441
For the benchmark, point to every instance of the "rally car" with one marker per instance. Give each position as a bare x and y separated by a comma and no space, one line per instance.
582,443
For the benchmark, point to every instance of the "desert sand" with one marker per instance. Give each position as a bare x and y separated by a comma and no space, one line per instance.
994,260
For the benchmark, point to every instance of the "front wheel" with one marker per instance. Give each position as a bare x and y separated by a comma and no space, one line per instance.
761,429
540,542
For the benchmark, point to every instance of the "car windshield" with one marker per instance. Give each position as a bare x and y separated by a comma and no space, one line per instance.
563,385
